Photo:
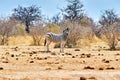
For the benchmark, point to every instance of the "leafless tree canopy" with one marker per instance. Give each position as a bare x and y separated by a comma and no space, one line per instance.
7,27
110,28
73,11
27,15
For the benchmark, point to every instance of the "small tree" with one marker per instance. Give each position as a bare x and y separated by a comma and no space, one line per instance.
6,30
27,15
109,27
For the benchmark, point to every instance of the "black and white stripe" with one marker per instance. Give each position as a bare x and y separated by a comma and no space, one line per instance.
57,38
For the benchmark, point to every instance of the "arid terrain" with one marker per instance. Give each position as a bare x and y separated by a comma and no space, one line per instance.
33,63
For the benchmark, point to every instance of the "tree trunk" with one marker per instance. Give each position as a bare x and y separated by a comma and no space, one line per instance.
113,45
27,28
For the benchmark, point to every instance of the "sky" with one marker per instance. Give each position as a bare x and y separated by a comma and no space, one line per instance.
49,8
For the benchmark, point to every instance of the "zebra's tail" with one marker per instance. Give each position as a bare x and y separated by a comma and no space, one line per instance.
45,42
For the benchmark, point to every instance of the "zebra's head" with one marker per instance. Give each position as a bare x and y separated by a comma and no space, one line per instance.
66,31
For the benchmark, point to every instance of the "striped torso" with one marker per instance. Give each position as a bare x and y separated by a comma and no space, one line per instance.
55,37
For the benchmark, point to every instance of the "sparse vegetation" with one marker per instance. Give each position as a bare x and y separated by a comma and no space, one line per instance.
83,29
92,48
110,28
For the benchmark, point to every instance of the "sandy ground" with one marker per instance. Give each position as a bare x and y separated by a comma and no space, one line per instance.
33,63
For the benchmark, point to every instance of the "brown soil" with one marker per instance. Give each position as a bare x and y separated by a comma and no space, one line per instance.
34,63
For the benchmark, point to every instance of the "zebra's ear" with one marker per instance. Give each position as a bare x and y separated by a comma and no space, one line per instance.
67,29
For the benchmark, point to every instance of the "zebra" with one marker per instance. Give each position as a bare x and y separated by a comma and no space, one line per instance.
57,38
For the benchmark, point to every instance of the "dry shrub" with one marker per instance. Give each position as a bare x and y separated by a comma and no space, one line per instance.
77,32
110,35
20,30
7,27
37,33
20,40
52,28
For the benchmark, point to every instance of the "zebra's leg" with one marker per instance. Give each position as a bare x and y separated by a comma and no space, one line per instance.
48,43
61,47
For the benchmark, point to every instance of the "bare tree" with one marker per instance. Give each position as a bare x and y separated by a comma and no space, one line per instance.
6,30
27,15
73,11
56,18
109,28
108,17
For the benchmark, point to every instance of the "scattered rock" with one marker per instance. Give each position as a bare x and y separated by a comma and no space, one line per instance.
62,54
77,55
5,61
30,54
48,68
83,61
101,69
12,55
23,52
88,55
49,62
103,60
16,48
16,58
2,57
99,50
31,61
82,54
59,67
110,68
53,53
85,55
1,68
45,58
88,67
98,54
56,62
107,61
117,54
73,56
93,78
77,49
39,58
116,59
83,78
34,52
7,53
68,53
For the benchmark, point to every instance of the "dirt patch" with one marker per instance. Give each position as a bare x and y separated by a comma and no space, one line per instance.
32,62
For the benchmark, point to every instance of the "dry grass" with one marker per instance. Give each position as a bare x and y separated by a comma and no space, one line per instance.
20,40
